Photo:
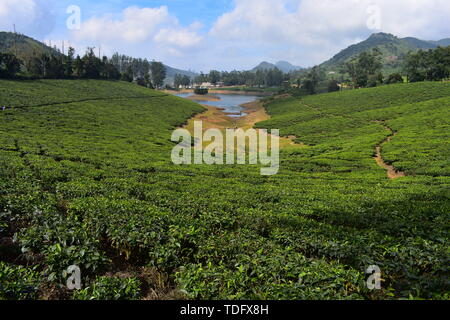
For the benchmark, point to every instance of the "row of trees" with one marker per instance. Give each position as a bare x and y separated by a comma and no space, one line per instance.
431,65
181,80
59,66
152,73
9,65
260,78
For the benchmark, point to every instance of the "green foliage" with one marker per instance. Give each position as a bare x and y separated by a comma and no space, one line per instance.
395,78
18,283
266,78
158,72
365,69
393,51
108,288
333,86
181,80
86,177
431,65
201,91
9,65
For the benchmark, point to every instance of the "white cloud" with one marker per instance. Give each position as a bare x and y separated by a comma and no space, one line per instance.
29,16
321,28
304,32
182,38
152,28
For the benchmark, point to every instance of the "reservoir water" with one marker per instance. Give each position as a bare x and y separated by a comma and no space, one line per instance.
230,103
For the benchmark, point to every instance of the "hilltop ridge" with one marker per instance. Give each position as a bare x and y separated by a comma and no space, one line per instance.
393,50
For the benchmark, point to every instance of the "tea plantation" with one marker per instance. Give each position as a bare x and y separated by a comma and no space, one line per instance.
86,179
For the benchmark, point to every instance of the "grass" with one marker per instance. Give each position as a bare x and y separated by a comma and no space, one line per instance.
86,179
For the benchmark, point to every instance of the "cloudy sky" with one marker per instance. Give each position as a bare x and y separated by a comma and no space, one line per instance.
217,34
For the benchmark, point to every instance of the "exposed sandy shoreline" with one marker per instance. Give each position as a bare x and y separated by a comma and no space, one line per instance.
254,111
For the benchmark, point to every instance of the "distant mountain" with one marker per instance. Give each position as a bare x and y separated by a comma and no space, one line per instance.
264,66
171,72
284,66
443,42
394,50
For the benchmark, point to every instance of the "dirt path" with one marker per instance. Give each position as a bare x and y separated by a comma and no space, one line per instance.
391,171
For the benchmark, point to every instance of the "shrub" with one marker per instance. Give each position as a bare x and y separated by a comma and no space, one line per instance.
394,78
201,91
18,283
333,86
108,288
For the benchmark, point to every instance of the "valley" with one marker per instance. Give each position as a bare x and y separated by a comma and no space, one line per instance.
86,179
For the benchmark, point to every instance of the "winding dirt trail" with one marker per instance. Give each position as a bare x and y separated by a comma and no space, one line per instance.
391,171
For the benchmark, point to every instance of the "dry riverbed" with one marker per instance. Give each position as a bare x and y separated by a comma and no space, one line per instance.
254,112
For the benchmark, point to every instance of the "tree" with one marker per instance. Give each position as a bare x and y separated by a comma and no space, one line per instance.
78,67
92,65
365,69
108,70
351,68
186,81
274,77
158,71
214,76
148,81
333,86
128,75
69,61
141,82
431,65
394,78
35,65
178,81
9,65
438,64
312,80
201,78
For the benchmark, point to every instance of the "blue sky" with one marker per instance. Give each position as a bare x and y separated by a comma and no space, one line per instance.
203,34
187,11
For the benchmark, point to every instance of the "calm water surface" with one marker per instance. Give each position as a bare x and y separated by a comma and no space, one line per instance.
231,103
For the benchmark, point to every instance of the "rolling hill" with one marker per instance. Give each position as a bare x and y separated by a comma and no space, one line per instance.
171,72
394,50
22,45
86,177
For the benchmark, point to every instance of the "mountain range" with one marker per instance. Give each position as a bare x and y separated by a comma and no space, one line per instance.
393,50
284,66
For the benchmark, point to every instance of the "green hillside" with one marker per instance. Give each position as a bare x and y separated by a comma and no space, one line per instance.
86,179
23,45
393,50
